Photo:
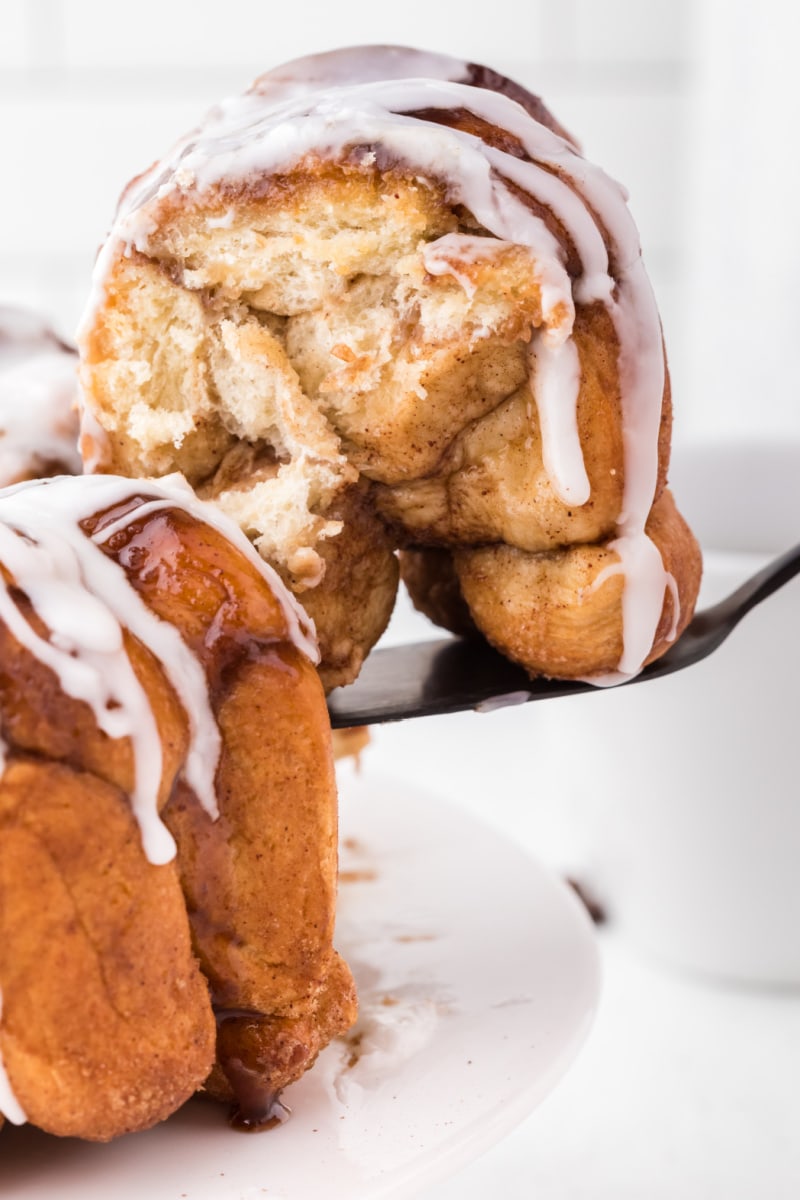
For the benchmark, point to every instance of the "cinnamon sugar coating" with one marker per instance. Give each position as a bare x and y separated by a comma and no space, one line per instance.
116,972
407,287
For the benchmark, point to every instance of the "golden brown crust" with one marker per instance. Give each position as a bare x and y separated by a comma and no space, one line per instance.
262,907
39,718
108,987
352,605
492,484
545,612
107,1024
260,881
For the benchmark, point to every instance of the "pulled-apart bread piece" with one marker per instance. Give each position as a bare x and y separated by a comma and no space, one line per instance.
157,691
38,399
383,296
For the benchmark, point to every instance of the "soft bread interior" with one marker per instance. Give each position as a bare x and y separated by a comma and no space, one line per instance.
292,354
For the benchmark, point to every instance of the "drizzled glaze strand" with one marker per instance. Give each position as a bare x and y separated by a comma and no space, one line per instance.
448,253
281,122
85,600
10,1107
556,369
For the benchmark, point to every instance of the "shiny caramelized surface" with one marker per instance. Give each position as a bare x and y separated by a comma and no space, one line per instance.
254,890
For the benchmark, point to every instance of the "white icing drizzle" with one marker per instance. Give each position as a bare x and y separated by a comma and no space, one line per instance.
332,105
642,600
85,600
447,253
556,377
10,1107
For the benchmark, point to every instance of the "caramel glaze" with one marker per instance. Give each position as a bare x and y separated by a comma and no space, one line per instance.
261,923
257,1107
187,575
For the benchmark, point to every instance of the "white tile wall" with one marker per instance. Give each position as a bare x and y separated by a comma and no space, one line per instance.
257,33
616,31
14,40
743,233
74,154
91,92
181,33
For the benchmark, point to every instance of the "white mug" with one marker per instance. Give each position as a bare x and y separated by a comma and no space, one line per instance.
679,800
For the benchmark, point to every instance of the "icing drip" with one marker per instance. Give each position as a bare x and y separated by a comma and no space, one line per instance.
642,600
366,98
446,254
555,369
86,601
10,1107
556,383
